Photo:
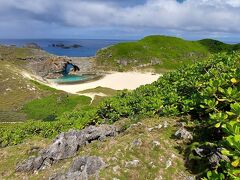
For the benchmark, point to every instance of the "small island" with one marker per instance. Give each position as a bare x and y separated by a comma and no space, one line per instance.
64,46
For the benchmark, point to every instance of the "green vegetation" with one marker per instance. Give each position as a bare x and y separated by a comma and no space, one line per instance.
114,151
99,89
14,53
215,46
15,91
160,53
12,134
207,91
206,94
23,99
50,107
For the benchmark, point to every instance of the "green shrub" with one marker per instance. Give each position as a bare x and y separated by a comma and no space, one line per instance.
209,91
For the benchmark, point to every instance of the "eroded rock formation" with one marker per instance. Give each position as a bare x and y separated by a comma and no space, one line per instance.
81,169
66,145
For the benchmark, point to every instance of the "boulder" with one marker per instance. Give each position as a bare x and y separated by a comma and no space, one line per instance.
136,142
182,133
133,163
213,155
81,169
66,145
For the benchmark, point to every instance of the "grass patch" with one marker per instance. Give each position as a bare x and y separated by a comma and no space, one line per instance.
50,107
161,52
44,87
99,89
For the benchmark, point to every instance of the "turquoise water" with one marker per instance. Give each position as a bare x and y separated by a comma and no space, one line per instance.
71,79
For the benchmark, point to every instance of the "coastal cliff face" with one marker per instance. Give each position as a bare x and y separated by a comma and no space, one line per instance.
15,86
53,67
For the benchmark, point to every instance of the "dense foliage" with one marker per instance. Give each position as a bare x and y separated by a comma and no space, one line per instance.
12,134
215,46
208,91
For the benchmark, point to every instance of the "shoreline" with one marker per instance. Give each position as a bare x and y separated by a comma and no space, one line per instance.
113,80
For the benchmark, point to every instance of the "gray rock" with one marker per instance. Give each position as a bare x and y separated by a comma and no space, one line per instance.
165,124
159,126
213,155
150,129
81,169
116,168
89,164
156,143
133,163
136,142
190,178
66,145
182,133
30,164
168,163
123,62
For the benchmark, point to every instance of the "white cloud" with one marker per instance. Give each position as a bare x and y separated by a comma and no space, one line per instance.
207,15
211,16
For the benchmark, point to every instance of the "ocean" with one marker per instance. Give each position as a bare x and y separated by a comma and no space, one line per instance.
89,47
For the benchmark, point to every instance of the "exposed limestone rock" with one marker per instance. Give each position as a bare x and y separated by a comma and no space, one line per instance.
156,143
133,163
165,124
136,142
168,163
182,133
123,62
116,169
66,145
212,154
81,169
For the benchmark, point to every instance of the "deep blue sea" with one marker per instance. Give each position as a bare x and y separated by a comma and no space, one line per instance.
89,47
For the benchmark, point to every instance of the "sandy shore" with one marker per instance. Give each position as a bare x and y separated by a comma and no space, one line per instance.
116,80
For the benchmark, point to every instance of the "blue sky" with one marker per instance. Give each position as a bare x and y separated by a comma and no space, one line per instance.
120,19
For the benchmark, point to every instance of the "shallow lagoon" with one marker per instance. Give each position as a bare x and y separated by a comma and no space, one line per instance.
73,79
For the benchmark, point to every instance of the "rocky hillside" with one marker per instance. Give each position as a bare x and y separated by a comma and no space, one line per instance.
144,150
17,90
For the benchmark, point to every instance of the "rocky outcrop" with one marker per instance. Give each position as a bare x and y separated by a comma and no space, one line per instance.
64,46
182,133
32,46
66,145
213,155
52,67
81,169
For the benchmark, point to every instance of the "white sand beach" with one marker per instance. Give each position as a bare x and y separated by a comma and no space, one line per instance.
116,80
